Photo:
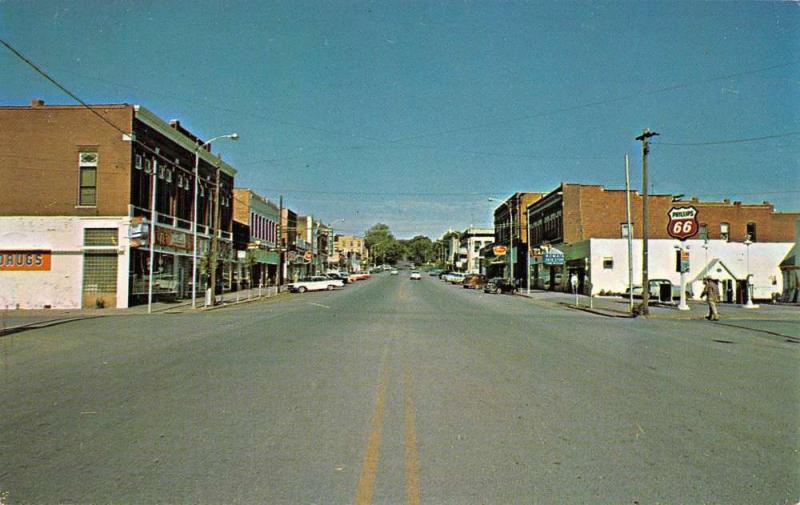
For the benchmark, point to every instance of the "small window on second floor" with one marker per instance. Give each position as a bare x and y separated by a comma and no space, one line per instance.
751,231
608,263
702,234
724,231
88,179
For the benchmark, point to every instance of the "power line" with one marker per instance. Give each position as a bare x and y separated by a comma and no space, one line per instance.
731,141
62,88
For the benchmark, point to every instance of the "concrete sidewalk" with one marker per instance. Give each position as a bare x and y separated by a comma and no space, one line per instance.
619,307
14,321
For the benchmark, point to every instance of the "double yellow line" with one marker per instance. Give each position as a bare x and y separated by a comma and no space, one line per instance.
366,484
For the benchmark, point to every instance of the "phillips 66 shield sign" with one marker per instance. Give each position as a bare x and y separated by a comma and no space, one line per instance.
682,222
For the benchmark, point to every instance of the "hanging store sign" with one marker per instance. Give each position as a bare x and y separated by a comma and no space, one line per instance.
172,238
682,222
25,261
499,250
553,257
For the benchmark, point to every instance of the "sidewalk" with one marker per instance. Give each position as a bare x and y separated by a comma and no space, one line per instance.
14,321
619,307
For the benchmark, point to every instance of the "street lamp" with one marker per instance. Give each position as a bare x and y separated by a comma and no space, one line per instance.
510,238
232,136
749,285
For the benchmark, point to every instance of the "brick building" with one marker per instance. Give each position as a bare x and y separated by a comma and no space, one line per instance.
515,240
570,217
257,220
82,193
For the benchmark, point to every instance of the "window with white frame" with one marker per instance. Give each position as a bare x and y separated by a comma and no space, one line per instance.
88,179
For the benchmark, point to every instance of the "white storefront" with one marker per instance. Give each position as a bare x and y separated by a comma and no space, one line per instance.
728,262
63,262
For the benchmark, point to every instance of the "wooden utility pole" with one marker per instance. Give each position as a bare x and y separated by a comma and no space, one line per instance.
644,139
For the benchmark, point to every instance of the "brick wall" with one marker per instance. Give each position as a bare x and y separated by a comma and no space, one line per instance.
594,212
39,152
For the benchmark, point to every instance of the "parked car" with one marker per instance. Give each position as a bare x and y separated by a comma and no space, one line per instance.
336,275
315,283
661,290
454,277
394,272
435,272
358,276
498,285
415,276
474,281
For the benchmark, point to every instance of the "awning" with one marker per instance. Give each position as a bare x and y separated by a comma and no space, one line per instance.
266,257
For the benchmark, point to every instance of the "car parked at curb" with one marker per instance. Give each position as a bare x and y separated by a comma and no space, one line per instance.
415,276
336,275
315,283
499,285
474,281
454,277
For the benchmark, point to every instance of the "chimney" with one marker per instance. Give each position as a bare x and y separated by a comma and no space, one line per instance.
737,204
174,123
37,102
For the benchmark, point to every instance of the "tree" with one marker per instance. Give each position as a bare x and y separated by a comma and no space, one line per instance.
382,245
419,250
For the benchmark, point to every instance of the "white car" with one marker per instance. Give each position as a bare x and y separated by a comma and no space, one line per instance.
394,272
454,277
316,283
415,276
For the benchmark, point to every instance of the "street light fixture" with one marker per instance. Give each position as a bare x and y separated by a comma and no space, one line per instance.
231,136
749,286
510,238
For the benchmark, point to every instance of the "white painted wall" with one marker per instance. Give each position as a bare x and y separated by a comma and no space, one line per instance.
764,260
60,287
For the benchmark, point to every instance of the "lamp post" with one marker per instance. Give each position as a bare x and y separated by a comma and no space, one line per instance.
749,285
510,238
232,136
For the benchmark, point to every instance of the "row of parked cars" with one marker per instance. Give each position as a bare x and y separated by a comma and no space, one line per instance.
327,282
495,285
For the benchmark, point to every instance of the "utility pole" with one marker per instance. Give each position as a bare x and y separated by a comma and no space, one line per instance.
644,138
215,240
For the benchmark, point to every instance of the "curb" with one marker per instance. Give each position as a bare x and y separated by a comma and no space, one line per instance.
42,324
599,312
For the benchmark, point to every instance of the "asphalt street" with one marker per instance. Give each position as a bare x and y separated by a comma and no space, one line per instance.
392,391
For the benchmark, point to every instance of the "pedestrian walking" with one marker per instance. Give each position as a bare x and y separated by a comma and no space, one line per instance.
711,294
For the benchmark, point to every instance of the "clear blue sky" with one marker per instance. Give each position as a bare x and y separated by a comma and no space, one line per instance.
414,113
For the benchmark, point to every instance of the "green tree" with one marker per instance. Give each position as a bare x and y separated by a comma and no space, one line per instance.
382,245
419,250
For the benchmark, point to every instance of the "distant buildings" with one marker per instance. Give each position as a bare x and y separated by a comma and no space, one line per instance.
471,242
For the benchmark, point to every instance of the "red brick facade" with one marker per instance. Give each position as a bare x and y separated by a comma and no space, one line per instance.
588,211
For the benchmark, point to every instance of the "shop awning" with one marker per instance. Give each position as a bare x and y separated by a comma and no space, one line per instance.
266,257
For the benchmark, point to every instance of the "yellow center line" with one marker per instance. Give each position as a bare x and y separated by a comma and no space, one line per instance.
412,457
366,484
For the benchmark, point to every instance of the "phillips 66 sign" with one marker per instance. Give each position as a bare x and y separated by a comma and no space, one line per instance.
682,222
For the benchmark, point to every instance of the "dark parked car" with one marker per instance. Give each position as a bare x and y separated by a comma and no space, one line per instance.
474,281
498,285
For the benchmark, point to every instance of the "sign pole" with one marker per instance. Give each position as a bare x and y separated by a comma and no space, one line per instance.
630,233
684,267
